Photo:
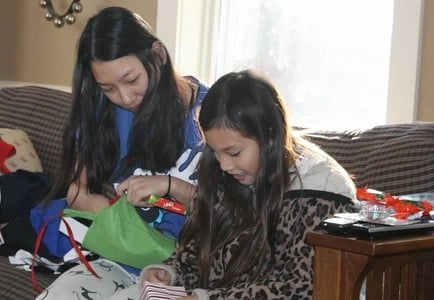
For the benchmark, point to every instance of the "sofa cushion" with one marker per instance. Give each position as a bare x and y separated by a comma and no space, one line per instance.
40,112
17,284
396,159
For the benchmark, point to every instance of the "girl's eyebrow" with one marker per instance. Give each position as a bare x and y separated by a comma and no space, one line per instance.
228,148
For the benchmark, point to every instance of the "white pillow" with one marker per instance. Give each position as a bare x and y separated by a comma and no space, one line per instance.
25,156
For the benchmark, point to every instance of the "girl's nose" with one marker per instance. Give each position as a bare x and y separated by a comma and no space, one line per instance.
126,97
225,164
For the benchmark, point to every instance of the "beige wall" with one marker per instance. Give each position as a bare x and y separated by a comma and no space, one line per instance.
34,50
8,37
425,110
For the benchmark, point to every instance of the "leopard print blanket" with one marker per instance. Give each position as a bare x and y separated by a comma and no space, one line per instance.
291,264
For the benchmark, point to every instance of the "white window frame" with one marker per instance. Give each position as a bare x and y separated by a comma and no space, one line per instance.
187,29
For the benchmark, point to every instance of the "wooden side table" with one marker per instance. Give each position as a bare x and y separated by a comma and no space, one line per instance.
395,268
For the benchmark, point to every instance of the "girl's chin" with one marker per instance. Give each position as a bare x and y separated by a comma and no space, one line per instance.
243,179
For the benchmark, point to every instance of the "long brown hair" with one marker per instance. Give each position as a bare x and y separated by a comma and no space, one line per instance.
91,139
224,209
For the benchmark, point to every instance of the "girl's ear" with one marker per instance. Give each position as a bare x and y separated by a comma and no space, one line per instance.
159,48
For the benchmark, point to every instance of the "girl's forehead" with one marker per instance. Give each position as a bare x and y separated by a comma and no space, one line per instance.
221,139
114,70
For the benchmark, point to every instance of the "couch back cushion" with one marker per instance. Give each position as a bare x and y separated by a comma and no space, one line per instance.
41,113
397,159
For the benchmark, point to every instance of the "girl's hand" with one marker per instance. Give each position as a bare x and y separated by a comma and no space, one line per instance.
139,188
156,275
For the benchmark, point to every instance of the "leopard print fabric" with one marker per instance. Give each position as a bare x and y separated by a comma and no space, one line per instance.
290,274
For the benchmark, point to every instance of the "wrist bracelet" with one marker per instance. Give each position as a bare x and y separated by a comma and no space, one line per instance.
168,185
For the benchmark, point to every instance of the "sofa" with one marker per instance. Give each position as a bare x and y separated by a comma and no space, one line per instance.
396,159
40,112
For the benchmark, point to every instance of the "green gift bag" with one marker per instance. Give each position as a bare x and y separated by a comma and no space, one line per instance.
118,233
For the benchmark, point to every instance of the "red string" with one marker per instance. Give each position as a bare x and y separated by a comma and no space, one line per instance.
35,253
78,249
71,239
38,243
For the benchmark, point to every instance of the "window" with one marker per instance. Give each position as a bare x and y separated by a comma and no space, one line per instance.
338,63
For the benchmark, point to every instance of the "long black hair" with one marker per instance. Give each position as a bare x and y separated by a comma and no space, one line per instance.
225,209
91,140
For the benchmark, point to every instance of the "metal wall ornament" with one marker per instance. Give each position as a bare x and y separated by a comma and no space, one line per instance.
59,19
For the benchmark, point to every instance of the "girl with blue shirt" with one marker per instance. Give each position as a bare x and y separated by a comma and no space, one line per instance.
131,129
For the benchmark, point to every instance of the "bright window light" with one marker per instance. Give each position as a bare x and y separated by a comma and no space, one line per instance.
329,59
339,64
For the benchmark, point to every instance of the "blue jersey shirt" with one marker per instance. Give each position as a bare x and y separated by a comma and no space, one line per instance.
167,222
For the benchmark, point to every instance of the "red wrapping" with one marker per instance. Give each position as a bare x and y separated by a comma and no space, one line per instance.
403,209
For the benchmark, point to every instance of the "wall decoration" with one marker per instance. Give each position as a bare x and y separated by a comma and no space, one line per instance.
60,19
